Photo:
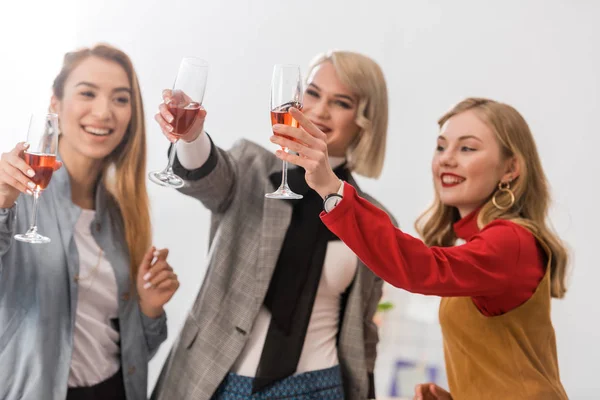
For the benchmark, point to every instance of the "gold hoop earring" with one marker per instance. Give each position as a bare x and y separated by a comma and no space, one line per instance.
504,187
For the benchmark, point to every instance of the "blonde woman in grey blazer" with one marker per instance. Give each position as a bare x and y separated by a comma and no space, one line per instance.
285,310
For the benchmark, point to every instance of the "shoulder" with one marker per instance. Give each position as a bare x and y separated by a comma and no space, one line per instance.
509,235
249,153
248,146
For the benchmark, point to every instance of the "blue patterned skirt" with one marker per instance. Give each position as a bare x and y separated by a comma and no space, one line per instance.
325,384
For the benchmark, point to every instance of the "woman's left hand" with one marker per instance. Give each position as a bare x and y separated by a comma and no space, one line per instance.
156,282
430,391
310,144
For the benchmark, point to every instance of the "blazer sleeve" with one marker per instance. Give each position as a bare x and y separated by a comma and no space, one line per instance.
8,217
214,183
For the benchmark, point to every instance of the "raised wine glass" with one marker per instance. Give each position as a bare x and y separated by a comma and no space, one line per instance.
286,92
185,102
42,137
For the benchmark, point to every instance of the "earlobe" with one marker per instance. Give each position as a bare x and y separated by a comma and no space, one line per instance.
54,104
513,171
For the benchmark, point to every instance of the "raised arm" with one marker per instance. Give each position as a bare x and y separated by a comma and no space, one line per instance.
210,173
485,266
482,267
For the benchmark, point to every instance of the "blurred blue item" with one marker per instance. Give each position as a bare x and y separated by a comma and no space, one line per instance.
431,372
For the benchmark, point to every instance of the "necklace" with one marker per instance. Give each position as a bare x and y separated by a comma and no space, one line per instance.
92,274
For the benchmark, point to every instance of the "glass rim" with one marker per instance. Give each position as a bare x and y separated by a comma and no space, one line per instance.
286,66
43,114
195,61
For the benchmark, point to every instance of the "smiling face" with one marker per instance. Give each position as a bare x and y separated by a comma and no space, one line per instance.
468,163
330,105
95,109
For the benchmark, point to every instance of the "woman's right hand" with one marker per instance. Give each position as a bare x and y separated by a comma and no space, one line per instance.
164,117
15,175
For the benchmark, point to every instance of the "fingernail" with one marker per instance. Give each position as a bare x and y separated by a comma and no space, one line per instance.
156,253
29,192
147,285
31,185
170,118
169,128
26,145
31,173
147,276
277,127
273,138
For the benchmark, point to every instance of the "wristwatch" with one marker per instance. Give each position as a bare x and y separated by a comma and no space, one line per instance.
331,200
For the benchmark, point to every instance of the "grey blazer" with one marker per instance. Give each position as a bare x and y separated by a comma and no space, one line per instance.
246,235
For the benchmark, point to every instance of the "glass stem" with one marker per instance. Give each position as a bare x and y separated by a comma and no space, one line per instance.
284,172
36,196
172,152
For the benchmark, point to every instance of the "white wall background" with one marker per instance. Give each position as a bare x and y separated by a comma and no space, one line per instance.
540,56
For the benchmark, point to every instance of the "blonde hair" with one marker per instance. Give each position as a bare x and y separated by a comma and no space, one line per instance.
124,172
530,189
365,79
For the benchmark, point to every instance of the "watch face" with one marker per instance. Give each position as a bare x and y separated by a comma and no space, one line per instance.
331,202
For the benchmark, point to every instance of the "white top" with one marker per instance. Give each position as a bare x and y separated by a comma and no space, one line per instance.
320,350
95,343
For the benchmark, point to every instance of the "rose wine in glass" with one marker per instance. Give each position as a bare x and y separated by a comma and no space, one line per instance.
186,100
43,166
286,92
282,115
41,156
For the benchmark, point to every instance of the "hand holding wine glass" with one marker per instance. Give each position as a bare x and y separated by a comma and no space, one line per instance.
286,92
40,156
15,175
172,122
181,110
310,144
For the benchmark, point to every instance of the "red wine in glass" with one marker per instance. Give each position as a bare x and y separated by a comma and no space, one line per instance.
183,117
43,165
184,103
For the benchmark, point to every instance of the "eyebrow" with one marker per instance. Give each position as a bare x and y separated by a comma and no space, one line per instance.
119,89
341,96
464,137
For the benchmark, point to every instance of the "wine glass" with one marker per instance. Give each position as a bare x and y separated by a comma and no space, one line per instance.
185,102
42,137
286,92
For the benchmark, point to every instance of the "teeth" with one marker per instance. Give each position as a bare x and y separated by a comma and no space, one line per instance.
323,129
96,131
451,179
